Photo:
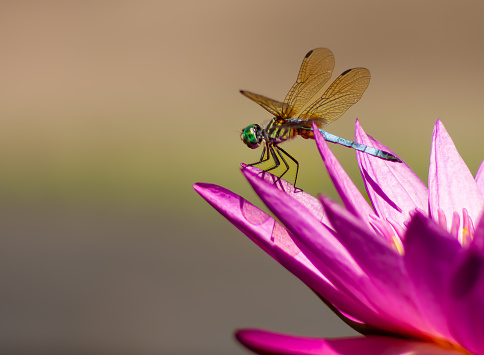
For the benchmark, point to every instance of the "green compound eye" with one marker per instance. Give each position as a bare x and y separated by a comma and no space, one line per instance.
251,136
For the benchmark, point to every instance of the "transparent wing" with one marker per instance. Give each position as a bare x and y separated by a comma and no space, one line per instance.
315,71
343,93
273,106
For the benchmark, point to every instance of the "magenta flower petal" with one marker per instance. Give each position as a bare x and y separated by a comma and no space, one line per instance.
321,247
392,271
451,185
465,302
381,263
271,343
250,220
360,241
480,178
394,189
274,239
429,256
310,275
478,239
347,190
310,202
300,223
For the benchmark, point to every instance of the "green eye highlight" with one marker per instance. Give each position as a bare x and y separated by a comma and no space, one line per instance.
251,136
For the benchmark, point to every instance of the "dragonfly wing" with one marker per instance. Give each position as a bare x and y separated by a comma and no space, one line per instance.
343,93
273,106
315,71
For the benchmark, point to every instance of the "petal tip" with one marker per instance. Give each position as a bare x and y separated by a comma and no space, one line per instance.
248,172
360,133
439,125
200,187
320,141
249,338
254,179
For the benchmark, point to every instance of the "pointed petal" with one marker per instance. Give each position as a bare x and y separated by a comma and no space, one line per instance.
299,221
394,189
310,202
480,178
361,242
302,268
467,293
271,343
319,245
347,190
383,265
250,220
274,239
429,255
478,239
465,306
451,185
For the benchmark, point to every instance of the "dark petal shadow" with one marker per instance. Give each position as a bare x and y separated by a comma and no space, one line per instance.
376,187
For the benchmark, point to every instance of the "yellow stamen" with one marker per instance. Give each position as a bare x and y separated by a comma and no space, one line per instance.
397,244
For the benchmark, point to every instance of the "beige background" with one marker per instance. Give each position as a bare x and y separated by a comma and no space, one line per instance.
111,110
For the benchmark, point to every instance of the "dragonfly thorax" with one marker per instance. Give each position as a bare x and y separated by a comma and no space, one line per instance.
252,136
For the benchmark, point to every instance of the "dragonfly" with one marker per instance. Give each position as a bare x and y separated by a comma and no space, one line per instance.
294,116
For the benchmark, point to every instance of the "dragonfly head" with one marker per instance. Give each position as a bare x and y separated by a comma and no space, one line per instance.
252,136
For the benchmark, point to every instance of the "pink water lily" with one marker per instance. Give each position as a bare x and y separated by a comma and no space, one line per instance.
406,271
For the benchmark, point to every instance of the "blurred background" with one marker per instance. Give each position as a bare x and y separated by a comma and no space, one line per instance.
111,110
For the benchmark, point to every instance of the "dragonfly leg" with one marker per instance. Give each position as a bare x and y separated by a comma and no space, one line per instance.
274,157
282,151
277,163
278,152
268,154
262,157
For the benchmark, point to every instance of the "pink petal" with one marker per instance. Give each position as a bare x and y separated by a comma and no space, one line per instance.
480,178
383,265
451,185
298,220
250,220
347,190
274,239
318,244
394,189
302,268
310,202
478,239
466,294
362,243
429,255
465,305
271,343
